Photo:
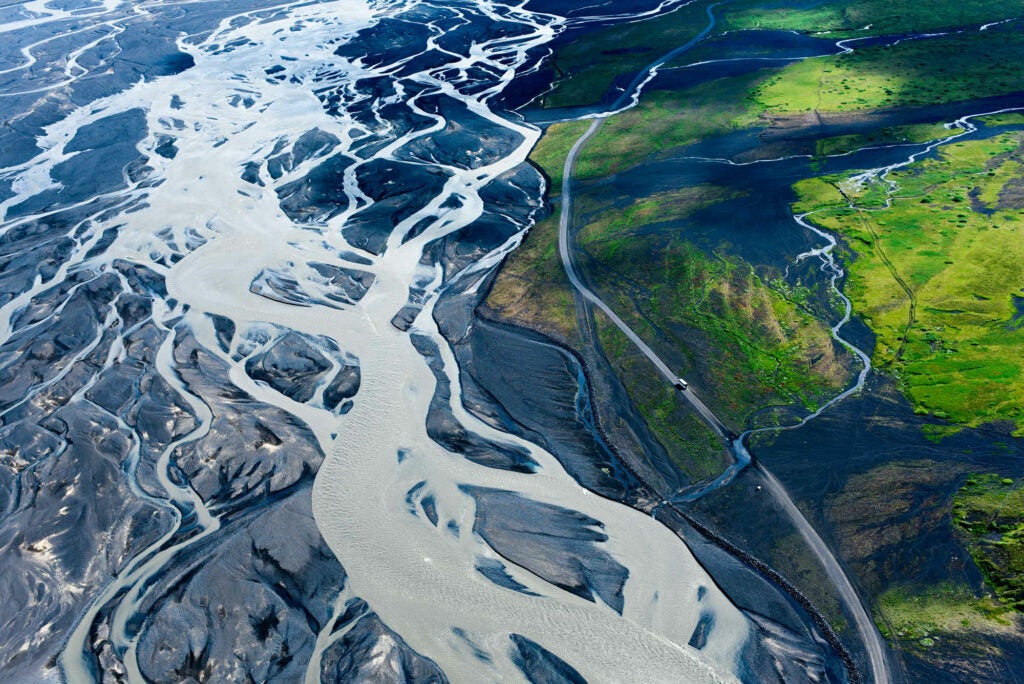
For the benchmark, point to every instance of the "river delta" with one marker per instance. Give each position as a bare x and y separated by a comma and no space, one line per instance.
485,341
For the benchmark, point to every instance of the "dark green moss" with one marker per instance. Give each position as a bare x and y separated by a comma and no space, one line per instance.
989,512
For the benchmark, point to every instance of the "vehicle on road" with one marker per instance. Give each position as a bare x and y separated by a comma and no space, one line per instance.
681,384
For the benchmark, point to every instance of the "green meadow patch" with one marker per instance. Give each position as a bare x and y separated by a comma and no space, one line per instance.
1004,119
551,150
938,274
888,135
532,288
665,121
909,73
852,17
690,444
587,67
919,618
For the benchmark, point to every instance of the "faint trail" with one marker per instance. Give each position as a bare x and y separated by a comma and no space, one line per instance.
884,258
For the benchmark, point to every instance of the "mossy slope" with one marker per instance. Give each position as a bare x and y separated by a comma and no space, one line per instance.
989,512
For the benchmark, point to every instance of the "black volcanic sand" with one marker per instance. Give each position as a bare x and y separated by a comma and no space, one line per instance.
74,471
101,152
540,665
544,404
80,460
521,382
356,656
146,49
758,225
884,539
894,528
79,494
884,542
554,543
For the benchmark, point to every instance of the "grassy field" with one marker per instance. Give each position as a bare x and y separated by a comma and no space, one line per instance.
935,269
910,73
767,349
989,511
610,225
552,149
939,275
1005,119
667,120
887,135
587,67
689,442
532,288
919,618
878,520
849,17
946,327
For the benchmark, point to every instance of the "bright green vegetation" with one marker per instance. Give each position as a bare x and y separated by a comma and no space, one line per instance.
552,149
532,287
848,17
1006,119
664,121
939,274
612,226
768,350
918,618
587,67
989,510
689,442
936,433
888,135
987,63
